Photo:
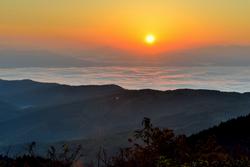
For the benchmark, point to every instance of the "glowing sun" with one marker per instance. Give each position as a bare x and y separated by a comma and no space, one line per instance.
150,39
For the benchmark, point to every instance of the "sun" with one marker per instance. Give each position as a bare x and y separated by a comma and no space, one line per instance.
150,39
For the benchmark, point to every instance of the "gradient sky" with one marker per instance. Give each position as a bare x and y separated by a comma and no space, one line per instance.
123,24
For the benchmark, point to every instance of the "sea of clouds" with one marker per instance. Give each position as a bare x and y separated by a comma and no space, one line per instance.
160,78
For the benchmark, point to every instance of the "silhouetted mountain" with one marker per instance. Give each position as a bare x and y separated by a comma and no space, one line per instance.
8,111
38,58
231,55
48,112
230,134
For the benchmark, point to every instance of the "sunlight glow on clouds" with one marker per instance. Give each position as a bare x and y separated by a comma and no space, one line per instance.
161,78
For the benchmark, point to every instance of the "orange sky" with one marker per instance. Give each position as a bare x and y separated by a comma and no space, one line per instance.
124,24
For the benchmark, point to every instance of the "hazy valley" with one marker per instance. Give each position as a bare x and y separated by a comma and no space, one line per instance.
106,115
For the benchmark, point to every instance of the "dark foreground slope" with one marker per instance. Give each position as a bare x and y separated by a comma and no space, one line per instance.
229,134
225,145
46,112
160,147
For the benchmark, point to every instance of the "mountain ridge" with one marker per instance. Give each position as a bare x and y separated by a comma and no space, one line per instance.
51,113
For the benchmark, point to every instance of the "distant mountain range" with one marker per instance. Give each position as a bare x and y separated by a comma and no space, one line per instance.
48,112
205,56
